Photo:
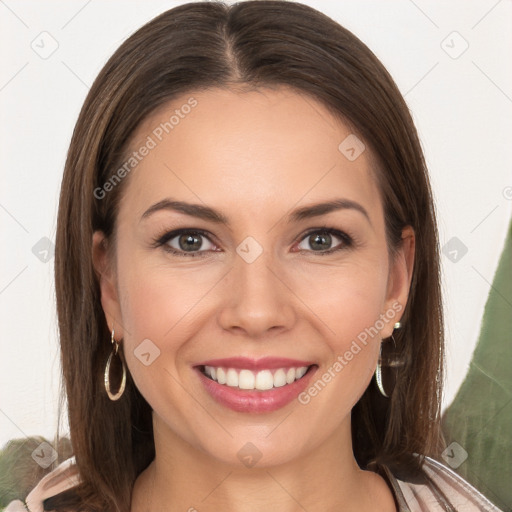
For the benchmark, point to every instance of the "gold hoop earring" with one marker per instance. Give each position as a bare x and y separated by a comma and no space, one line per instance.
393,363
120,391
378,375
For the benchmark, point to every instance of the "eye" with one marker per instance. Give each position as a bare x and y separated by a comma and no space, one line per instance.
195,242
186,242
321,240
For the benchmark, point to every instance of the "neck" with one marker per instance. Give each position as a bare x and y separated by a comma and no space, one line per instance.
184,478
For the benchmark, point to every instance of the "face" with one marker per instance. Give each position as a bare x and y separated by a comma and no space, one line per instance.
247,312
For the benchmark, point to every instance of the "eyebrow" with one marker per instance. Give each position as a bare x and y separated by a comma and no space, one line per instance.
212,215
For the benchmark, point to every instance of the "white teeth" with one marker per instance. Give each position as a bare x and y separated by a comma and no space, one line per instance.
301,372
279,378
262,380
221,376
232,378
246,379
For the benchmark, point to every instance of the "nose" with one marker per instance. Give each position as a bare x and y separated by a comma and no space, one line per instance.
257,299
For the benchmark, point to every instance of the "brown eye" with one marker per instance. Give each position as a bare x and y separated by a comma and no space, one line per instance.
190,242
186,243
321,241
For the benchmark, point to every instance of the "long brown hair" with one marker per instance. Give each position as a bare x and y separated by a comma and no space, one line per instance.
250,44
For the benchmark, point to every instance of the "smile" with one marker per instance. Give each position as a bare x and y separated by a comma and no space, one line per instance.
261,380
255,386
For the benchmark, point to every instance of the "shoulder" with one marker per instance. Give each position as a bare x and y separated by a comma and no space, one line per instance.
62,478
440,489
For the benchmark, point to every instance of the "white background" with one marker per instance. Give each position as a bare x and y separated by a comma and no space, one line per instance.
462,107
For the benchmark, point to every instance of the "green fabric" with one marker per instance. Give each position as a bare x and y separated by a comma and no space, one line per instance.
480,417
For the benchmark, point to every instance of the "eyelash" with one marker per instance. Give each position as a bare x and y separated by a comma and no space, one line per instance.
347,241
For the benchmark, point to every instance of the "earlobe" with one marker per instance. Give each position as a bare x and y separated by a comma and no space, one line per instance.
107,282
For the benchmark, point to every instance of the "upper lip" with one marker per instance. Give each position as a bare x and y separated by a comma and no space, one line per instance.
263,363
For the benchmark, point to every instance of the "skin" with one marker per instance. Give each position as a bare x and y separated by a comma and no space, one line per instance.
254,156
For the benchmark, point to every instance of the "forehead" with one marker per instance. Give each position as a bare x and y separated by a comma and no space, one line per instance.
247,150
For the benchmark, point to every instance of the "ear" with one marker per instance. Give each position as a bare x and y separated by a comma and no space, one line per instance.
399,280
105,270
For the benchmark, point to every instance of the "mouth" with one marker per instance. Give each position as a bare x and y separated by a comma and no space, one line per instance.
262,380
250,386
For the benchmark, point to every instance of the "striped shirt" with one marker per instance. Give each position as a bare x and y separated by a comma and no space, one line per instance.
439,490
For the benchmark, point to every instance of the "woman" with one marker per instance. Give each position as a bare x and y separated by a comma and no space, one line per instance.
246,236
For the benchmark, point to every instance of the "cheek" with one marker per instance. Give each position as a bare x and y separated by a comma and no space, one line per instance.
161,309
349,304
354,316
149,311
348,298
158,300
152,311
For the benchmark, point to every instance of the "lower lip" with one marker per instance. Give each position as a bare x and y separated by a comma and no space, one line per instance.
252,400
